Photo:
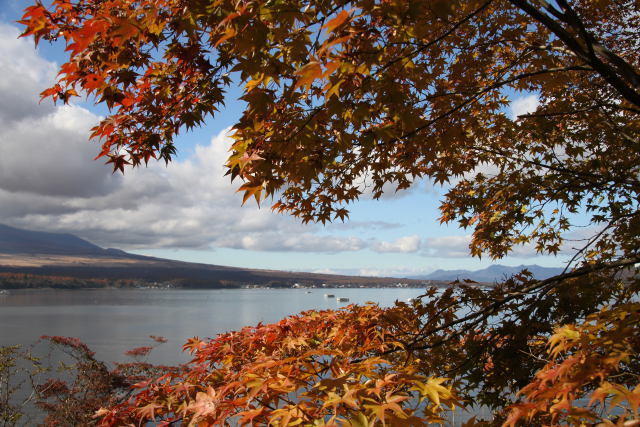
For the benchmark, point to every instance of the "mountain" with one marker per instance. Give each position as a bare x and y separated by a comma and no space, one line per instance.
19,241
50,257
493,273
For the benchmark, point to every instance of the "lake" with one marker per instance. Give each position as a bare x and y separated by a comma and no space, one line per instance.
112,321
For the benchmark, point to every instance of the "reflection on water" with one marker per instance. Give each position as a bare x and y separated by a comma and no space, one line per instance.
111,321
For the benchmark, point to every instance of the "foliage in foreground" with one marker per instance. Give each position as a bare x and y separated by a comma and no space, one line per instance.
59,382
416,363
346,99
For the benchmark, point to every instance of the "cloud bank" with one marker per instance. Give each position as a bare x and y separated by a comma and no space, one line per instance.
49,182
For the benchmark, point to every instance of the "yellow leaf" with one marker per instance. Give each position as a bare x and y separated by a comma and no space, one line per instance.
308,74
359,420
230,32
334,90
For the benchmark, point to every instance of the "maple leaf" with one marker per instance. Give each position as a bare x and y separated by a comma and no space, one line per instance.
308,74
334,23
247,417
204,405
93,81
148,411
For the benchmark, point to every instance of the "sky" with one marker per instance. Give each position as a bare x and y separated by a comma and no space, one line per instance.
189,210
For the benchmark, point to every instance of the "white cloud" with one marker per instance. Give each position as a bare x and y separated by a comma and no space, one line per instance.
290,241
458,247
396,271
189,204
325,271
369,225
405,244
523,105
383,272
447,246
51,156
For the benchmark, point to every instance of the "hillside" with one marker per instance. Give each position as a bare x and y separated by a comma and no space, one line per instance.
65,256
19,241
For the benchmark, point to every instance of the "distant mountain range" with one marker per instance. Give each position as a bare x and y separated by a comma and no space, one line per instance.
493,273
65,255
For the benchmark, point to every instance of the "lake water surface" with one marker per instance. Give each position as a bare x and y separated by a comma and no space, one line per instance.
111,321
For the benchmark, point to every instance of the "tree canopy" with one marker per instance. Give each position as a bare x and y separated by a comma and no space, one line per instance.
344,98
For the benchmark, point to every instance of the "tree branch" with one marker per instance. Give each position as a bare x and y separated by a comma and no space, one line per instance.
485,313
623,78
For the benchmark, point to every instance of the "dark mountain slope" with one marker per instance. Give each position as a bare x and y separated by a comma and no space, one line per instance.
18,241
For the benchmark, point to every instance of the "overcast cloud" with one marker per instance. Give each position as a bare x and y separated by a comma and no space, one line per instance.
44,149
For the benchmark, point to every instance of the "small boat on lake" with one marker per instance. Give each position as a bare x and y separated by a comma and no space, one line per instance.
329,296
343,299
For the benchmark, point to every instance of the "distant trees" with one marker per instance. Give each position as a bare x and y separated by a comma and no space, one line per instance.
27,280
354,97
21,281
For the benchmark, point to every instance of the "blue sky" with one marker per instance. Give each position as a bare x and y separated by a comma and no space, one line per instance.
189,210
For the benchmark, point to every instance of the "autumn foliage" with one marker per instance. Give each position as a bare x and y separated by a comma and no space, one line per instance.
346,99
412,364
58,381
328,367
596,362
